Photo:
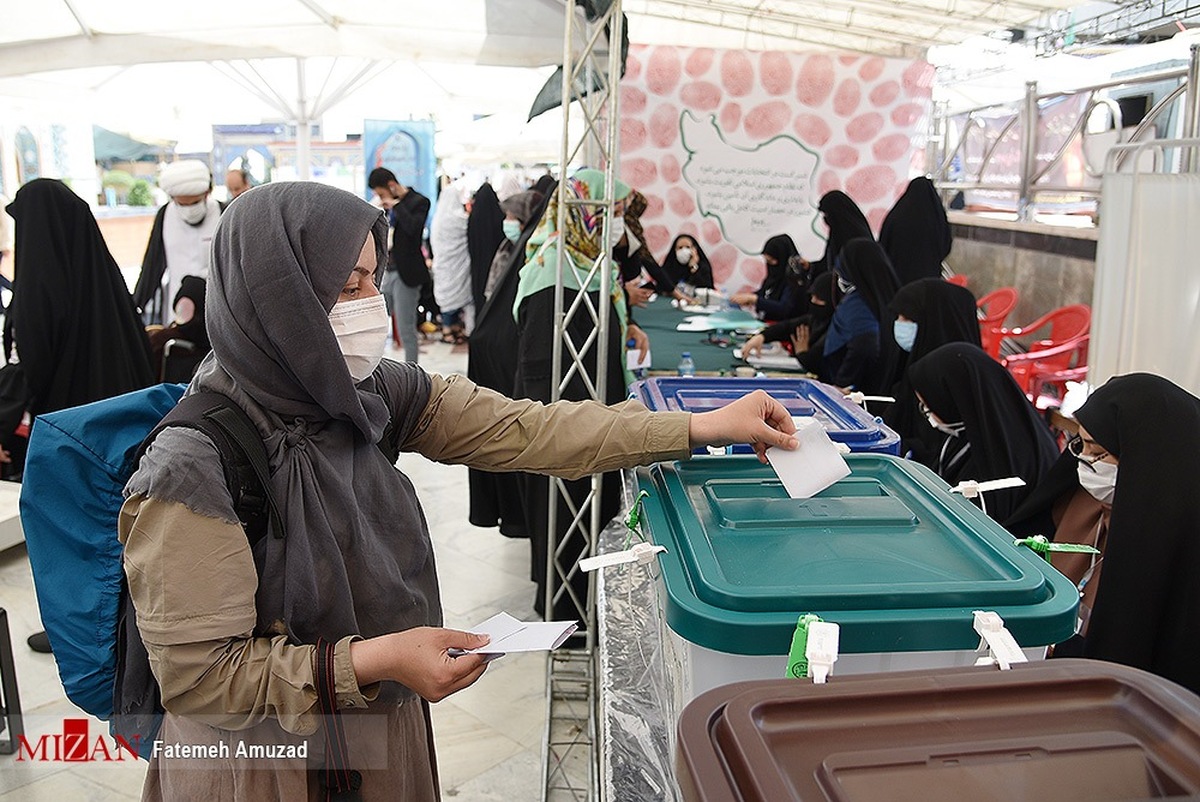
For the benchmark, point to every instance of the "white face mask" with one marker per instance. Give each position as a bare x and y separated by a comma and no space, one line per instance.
905,332
1100,480
952,429
193,215
683,255
361,327
616,230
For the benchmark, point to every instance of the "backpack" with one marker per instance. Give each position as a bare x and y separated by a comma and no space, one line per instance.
78,464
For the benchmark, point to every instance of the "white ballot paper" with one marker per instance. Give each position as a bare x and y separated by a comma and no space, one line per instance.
633,363
812,467
510,635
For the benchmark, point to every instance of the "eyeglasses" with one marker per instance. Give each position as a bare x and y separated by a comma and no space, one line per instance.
1076,445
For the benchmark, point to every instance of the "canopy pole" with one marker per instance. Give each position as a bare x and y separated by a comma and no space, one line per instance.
1029,139
1191,109
303,134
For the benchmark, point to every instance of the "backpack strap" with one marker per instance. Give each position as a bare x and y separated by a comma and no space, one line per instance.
243,457
338,780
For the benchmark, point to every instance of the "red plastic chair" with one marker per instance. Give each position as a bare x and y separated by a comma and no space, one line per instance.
1050,364
993,309
958,279
1066,323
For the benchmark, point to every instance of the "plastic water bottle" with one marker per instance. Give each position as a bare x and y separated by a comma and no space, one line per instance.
686,366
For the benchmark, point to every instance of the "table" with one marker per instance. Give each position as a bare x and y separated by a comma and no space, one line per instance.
658,319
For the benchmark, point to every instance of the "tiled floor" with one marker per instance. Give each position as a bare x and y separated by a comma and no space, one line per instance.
488,736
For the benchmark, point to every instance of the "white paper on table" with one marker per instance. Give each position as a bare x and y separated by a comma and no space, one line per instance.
776,363
771,355
633,363
812,467
775,360
510,635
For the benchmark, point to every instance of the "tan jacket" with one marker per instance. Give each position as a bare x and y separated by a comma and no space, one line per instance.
193,581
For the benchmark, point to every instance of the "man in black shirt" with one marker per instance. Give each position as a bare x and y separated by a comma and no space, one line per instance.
406,270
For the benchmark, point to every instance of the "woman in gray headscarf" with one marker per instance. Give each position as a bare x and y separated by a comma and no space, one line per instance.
345,598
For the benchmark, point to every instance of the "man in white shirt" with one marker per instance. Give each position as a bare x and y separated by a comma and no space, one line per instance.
181,239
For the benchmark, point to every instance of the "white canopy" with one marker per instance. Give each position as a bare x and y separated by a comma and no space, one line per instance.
453,60
66,34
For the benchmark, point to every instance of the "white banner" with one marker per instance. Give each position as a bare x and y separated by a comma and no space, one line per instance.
733,147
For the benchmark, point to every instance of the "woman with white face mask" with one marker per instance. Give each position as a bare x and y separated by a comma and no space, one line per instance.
337,617
993,432
1127,485
929,313
686,262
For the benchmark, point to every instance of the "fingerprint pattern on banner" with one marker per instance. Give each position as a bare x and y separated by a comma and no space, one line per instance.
732,147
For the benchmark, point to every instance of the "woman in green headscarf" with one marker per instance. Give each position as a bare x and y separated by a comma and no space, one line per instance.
584,227
533,309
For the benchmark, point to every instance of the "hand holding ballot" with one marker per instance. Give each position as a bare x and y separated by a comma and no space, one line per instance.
814,466
756,418
421,658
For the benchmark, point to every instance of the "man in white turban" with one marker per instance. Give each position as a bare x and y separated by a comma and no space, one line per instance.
181,239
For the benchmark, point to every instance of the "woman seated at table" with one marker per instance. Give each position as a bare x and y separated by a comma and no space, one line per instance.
1127,485
807,332
994,432
686,263
929,313
859,352
777,298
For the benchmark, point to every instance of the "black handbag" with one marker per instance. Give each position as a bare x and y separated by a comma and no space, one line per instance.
14,400
14,433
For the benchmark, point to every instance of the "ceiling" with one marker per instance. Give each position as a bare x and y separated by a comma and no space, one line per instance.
882,27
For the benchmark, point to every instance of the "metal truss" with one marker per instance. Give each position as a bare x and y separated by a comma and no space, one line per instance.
879,27
591,71
1066,34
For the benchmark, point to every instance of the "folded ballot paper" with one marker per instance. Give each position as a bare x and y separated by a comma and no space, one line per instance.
635,361
812,467
510,635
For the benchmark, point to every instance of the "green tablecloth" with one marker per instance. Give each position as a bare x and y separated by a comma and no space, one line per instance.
659,319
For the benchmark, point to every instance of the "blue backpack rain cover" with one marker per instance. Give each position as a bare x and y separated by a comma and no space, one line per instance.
78,463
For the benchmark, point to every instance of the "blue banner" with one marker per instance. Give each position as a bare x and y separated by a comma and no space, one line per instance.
406,148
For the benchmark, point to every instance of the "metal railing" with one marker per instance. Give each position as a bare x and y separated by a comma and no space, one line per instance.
953,135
